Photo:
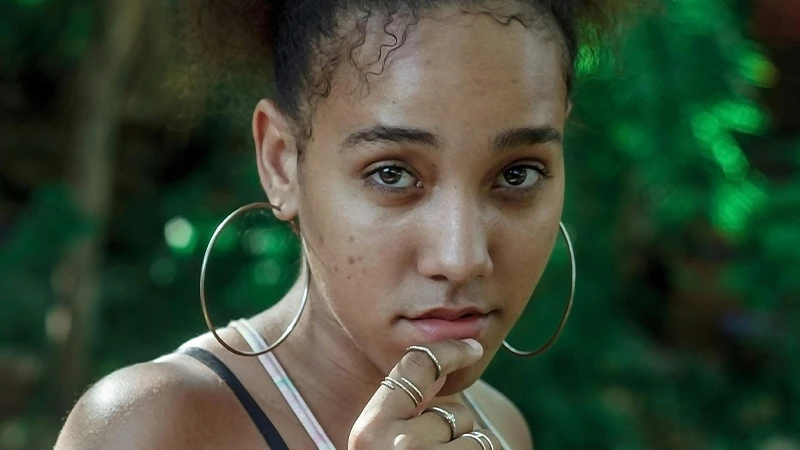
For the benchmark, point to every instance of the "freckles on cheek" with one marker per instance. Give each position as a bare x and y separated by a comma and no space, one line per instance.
352,267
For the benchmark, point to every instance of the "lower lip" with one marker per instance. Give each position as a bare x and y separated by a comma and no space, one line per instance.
435,330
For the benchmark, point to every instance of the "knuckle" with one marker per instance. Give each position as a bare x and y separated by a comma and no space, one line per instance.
408,442
459,409
466,418
417,362
361,437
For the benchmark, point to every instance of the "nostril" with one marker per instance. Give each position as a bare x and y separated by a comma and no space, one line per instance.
439,278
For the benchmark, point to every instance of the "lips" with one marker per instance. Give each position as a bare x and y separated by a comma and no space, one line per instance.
448,313
448,323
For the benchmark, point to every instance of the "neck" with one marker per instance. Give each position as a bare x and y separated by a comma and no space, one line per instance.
334,377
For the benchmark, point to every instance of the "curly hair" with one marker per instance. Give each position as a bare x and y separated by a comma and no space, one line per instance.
305,41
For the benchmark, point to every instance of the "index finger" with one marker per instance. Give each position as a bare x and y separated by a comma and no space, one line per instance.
421,370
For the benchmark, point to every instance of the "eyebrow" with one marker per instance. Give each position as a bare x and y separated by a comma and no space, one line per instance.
506,140
392,134
524,137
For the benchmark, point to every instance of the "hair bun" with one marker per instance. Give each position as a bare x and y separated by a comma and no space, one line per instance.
602,20
605,13
246,27
225,43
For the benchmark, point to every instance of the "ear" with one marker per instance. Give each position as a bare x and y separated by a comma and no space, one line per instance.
276,154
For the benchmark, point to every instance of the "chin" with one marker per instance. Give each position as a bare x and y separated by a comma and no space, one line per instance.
460,380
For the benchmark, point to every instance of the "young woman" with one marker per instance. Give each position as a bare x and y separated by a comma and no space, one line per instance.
416,146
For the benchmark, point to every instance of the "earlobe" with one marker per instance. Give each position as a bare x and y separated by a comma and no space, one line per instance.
276,156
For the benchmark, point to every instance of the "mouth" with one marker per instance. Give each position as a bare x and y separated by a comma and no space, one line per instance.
445,323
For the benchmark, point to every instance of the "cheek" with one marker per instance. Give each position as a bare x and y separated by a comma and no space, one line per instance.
357,261
521,258
353,239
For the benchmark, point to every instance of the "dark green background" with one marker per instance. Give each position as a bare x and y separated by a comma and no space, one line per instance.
683,200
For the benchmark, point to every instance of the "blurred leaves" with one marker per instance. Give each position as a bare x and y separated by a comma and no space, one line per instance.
39,238
684,332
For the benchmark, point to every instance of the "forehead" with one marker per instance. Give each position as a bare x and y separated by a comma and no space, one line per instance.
461,76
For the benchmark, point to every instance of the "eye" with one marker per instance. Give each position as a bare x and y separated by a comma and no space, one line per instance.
519,177
392,177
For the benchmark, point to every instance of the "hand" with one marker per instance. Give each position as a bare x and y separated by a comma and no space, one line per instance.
392,419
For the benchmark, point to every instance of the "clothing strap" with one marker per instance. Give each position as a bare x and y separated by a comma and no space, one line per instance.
485,419
284,384
257,415
299,406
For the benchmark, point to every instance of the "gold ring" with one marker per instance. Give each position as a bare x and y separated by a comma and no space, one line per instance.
413,387
391,383
446,415
481,434
474,437
427,351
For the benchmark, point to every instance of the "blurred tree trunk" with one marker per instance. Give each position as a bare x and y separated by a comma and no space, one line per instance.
96,101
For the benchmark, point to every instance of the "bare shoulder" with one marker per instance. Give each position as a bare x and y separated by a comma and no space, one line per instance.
504,415
164,404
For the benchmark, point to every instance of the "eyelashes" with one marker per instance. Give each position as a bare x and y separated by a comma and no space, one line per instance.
392,179
394,176
521,177
521,181
517,180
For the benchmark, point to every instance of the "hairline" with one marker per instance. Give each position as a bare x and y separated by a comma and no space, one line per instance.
325,73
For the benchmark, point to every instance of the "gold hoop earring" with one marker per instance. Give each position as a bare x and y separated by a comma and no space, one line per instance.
567,310
209,324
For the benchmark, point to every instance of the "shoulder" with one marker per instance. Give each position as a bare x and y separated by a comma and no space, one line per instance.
164,404
503,414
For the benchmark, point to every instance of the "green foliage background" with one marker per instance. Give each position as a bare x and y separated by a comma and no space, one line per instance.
685,329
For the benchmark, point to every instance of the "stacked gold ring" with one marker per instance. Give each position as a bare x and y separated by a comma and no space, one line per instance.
479,437
406,385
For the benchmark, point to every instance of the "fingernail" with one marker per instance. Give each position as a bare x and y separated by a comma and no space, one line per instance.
474,344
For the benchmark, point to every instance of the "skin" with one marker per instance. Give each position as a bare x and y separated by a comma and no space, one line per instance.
448,227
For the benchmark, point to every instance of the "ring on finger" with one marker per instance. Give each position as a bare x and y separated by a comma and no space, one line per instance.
477,439
447,416
409,388
409,384
427,351
481,434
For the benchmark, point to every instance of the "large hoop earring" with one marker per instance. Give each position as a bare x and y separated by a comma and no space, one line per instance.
209,324
567,310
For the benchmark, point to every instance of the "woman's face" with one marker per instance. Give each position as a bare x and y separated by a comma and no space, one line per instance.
430,205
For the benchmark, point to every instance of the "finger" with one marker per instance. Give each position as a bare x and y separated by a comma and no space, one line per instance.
419,369
477,440
435,424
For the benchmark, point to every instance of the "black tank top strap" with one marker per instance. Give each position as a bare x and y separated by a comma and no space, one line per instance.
257,415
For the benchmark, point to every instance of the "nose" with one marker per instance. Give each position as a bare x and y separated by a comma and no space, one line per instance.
455,248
